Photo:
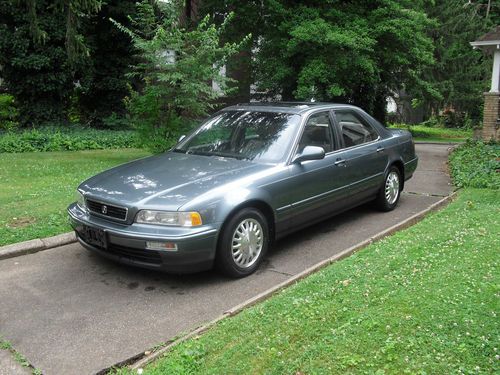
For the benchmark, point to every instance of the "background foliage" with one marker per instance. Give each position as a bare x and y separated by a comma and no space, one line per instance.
103,83
177,69
476,164
65,139
459,72
37,74
65,61
8,112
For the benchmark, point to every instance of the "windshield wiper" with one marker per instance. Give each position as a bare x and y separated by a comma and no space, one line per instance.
202,153
217,154
179,150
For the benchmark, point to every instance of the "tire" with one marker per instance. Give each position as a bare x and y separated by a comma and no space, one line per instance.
243,243
389,193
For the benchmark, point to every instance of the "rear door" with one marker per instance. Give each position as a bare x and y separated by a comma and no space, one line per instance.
365,158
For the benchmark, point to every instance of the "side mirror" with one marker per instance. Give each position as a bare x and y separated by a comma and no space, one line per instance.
181,138
310,153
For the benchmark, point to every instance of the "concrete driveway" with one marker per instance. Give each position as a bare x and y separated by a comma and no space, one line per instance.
71,312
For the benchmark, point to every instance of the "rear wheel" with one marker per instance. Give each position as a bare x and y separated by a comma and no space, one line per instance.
244,242
390,192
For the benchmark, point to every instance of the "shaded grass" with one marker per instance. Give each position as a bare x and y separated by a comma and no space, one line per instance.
424,300
36,188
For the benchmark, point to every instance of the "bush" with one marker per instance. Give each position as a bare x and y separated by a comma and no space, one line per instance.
55,139
476,164
8,113
177,69
451,119
433,122
157,129
116,122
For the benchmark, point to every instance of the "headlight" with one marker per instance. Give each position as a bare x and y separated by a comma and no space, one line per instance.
80,200
184,219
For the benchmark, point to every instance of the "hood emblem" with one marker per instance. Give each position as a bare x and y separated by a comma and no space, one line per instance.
104,210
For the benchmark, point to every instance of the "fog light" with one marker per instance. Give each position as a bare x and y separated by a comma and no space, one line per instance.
165,246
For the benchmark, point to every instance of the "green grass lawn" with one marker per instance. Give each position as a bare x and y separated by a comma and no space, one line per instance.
35,188
425,133
423,301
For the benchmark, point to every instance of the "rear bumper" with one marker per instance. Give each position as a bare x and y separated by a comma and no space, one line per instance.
410,168
127,244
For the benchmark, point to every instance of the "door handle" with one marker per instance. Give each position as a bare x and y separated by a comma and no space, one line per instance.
340,162
380,149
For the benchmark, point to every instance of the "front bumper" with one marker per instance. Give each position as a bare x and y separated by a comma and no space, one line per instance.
127,243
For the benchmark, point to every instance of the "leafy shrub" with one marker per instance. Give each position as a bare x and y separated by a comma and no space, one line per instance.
451,119
476,164
8,112
157,129
433,122
55,139
177,68
116,122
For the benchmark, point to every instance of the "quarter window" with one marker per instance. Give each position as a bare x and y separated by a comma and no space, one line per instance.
354,129
317,132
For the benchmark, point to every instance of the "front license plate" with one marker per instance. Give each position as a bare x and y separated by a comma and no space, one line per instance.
93,236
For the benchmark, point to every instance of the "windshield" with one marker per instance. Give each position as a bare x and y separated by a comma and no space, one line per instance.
257,136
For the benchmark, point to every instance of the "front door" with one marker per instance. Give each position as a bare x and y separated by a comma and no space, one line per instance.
312,184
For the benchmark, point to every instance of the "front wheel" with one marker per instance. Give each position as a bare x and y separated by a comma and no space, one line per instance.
390,192
243,244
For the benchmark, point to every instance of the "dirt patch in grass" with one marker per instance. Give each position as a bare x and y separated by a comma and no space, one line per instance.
21,222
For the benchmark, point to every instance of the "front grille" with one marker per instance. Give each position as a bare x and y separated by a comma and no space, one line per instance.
146,256
107,210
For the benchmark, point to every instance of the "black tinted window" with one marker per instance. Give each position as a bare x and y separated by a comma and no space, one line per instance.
354,129
317,132
259,136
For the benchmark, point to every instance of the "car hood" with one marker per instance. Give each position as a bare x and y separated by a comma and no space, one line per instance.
168,180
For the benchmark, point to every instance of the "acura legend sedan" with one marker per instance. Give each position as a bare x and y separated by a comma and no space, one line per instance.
250,174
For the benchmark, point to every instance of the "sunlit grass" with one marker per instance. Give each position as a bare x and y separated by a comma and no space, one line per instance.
424,300
36,188
425,133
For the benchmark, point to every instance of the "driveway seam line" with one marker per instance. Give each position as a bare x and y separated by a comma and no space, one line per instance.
423,194
280,272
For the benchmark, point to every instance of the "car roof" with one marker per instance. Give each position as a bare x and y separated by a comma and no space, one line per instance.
287,107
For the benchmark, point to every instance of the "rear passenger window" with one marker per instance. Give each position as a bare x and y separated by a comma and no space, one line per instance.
354,129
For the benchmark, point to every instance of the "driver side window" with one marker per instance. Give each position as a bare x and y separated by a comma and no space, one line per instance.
318,132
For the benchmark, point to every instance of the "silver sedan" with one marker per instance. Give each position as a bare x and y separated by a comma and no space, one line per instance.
247,176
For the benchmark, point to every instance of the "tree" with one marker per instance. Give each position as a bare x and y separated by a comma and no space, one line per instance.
72,11
357,52
103,83
177,67
37,74
47,48
460,73
245,24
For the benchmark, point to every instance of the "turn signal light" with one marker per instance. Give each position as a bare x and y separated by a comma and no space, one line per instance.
158,245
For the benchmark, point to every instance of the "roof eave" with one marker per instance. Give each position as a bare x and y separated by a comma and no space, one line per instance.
488,43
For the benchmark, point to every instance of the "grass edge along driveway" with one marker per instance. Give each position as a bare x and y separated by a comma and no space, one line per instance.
36,188
423,133
424,300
